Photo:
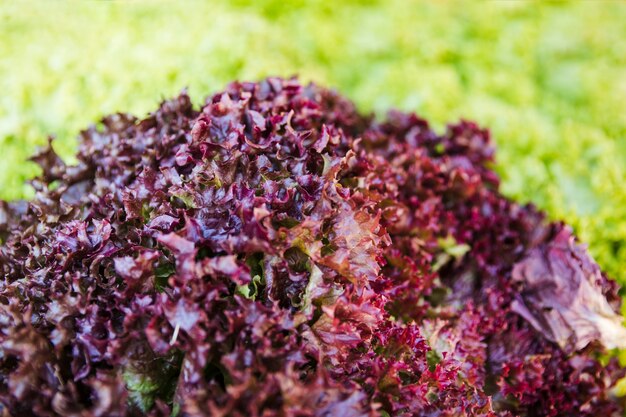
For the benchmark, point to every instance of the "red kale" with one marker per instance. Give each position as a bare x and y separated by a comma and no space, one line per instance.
276,253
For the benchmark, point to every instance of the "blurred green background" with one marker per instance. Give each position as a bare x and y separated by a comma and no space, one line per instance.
549,80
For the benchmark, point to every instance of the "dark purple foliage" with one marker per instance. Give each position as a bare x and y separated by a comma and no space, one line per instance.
276,253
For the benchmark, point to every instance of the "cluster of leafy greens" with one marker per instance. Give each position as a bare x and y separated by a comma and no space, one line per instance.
276,253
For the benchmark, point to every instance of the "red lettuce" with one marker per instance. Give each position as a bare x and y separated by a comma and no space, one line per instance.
276,253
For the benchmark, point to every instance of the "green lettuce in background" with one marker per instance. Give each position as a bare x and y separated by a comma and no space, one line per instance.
549,81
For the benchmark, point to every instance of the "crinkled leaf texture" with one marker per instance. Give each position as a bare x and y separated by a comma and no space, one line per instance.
276,253
562,296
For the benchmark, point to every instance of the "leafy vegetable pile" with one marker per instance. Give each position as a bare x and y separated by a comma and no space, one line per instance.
278,254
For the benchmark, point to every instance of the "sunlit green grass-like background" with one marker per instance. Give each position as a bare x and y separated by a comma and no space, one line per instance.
549,80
